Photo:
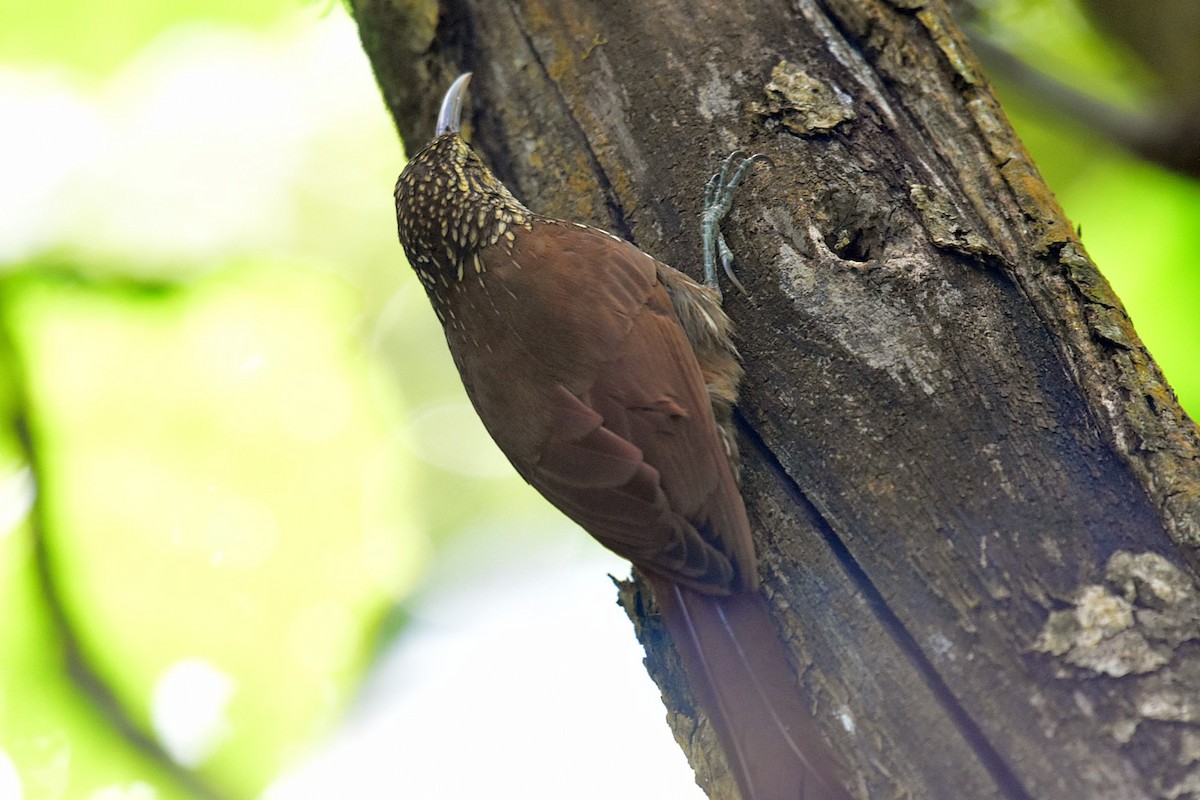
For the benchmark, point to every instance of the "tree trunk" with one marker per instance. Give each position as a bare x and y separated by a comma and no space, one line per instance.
975,498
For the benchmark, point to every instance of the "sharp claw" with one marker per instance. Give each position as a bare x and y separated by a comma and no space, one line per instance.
763,157
726,164
718,199
727,262
741,170
733,279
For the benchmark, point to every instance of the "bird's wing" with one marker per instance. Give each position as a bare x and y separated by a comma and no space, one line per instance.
629,448
604,482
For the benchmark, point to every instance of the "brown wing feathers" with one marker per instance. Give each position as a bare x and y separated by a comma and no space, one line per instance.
636,458
570,346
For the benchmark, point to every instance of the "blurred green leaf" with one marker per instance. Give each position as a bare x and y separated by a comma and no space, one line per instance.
207,454
96,37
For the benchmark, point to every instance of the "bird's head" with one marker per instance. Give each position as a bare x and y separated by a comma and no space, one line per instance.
449,205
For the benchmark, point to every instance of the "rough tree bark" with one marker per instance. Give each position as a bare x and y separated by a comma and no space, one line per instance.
977,502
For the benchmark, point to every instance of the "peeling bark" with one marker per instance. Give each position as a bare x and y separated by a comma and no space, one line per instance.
963,467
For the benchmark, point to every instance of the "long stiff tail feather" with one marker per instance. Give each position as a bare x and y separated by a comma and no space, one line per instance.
744,682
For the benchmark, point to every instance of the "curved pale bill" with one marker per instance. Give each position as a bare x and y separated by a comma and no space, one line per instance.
450,117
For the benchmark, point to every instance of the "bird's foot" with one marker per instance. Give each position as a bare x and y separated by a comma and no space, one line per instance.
718,199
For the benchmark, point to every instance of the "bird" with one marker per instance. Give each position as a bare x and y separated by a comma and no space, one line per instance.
608,379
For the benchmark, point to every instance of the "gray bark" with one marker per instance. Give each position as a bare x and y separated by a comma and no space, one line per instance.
976,499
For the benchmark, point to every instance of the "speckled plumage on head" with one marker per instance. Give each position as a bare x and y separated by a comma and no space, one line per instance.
449,206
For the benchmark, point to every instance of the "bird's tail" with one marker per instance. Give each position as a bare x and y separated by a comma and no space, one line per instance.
744,682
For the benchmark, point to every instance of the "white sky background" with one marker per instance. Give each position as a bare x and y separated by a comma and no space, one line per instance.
189,155
526,683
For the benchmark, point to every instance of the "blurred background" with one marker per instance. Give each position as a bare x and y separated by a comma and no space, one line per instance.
270,552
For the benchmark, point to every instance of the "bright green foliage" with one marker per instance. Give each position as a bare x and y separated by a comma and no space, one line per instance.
96,37
228,492
206,456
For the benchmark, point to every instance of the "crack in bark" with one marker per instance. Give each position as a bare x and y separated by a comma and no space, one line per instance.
992,760
616,211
